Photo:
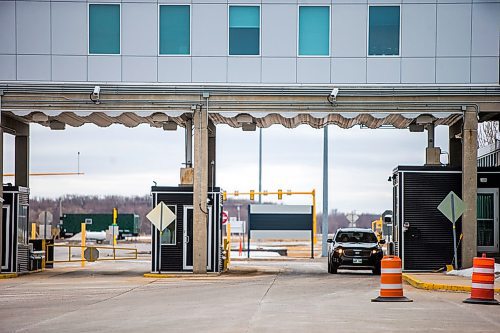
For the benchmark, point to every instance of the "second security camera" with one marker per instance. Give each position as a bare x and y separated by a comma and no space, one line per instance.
334,93
96,92
95,95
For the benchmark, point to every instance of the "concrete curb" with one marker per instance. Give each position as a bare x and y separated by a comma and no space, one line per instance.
180,276
414,282
8,276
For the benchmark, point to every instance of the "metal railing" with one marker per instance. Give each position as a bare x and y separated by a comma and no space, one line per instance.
92,257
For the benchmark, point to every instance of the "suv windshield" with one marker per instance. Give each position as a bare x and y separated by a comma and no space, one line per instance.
356,237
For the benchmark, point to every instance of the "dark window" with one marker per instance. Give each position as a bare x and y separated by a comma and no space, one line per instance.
356,237
383,31
244,30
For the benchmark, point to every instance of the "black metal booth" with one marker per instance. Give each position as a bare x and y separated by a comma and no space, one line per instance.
176,251
423,236
15,239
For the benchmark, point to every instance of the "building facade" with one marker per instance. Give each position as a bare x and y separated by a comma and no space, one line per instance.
431,42
489,156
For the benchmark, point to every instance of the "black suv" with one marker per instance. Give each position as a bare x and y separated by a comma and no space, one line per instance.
354,248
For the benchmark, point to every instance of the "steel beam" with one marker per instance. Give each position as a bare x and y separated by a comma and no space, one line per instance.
189,143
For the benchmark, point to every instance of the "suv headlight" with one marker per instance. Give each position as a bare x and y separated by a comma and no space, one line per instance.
339,250
374,251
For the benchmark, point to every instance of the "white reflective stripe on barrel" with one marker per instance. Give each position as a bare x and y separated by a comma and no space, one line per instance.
391,286
391,270
483,286
484,270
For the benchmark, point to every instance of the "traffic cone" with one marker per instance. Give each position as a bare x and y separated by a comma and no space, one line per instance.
241,248
483,282
391,281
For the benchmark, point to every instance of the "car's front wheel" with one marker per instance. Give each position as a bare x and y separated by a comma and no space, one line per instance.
376,270
331,269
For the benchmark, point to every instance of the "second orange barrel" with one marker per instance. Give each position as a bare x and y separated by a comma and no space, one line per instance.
391,281
483,281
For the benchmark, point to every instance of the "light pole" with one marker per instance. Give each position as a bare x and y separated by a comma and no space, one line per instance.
260,164
324,224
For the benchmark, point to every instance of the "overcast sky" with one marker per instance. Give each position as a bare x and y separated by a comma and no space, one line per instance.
125,161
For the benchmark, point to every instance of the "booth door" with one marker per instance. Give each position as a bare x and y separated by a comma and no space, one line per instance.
487,220
188,238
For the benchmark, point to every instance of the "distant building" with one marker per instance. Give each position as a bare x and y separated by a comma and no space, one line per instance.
489,156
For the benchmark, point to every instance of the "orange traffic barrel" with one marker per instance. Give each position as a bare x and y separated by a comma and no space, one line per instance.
391,281
483,281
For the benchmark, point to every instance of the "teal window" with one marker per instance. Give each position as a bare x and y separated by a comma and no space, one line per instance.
104,29
168,236
314,31
244,30
174,29
383,30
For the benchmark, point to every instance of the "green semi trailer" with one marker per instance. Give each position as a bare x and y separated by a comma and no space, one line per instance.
128,224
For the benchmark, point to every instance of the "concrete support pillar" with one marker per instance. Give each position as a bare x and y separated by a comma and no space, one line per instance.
22,133
469,187
455,144
200,188
22,160
211,154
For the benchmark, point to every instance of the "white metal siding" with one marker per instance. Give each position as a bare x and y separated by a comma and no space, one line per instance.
442,42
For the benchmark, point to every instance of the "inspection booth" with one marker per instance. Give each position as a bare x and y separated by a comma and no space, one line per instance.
175,254
423,236
15,239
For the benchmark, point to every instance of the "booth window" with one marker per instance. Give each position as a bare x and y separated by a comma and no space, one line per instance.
104,29
314,31
174,30
383,31
22,225
244,30
168,236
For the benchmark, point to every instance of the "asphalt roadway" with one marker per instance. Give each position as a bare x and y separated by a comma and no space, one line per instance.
258,296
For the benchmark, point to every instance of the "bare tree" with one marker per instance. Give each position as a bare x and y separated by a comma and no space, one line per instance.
488,133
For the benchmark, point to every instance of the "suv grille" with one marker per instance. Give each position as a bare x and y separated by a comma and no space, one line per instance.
357,253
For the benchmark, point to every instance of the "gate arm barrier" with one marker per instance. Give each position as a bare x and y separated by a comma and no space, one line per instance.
132,251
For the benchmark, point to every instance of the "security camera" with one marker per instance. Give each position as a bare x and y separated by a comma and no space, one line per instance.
334,93
95,95
97,91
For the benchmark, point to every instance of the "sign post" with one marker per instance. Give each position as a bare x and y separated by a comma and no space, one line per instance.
115,217
452,207
161,217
